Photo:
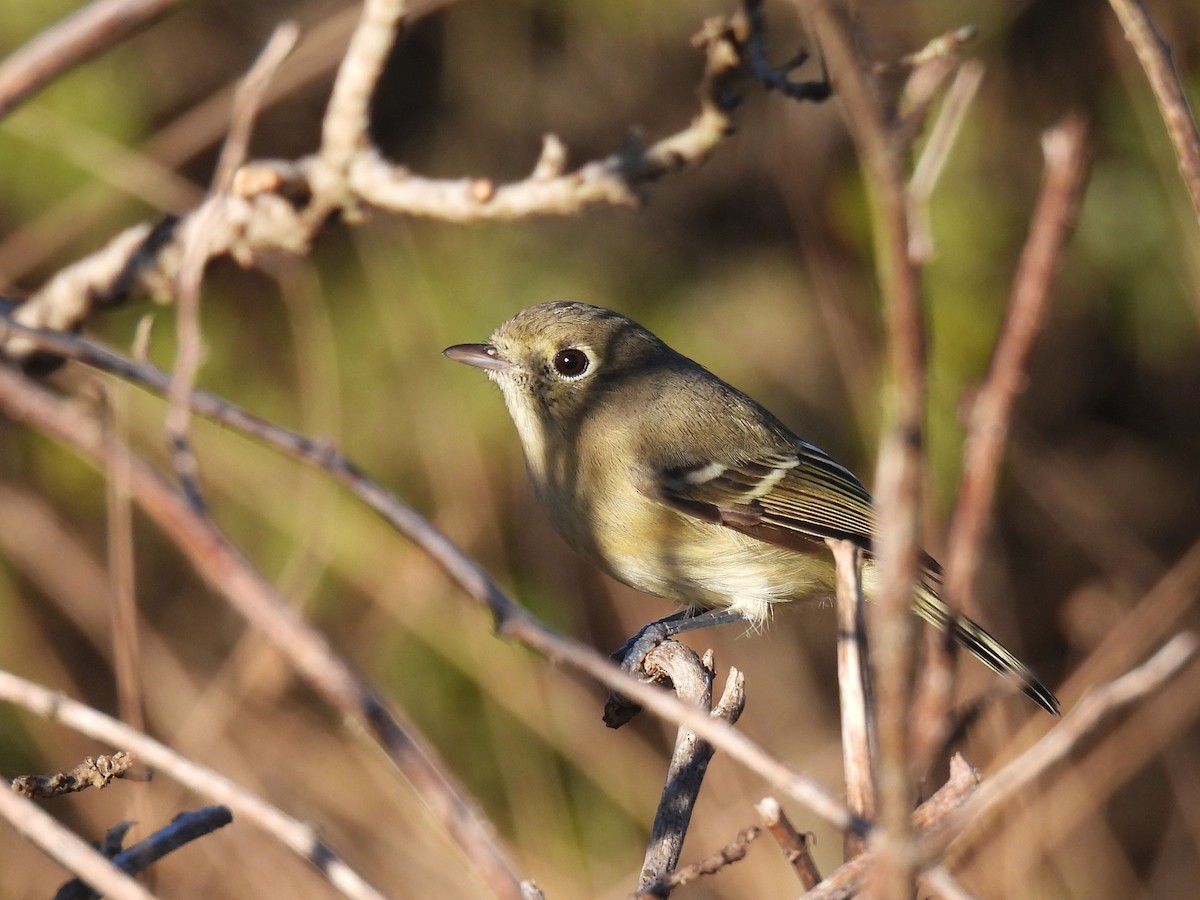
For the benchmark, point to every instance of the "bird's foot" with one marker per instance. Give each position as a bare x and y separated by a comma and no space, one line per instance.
631,656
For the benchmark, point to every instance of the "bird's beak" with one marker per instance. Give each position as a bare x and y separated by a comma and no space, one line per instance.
482,356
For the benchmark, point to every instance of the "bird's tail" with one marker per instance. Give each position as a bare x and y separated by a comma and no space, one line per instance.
976,639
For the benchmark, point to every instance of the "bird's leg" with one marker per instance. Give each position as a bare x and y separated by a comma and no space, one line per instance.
631,655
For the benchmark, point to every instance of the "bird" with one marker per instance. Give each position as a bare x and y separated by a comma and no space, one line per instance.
679,485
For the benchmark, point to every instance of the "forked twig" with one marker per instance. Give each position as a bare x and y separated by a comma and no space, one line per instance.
299,837
692,679
47,834
183,829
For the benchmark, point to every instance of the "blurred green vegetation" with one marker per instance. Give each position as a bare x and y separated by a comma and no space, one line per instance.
759,265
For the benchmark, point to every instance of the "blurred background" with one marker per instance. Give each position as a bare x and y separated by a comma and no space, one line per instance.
759,265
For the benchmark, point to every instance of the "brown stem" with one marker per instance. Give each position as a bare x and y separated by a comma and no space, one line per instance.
1155,57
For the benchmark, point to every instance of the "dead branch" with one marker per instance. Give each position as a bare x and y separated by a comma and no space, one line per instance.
854,688
195,254
281,206
928,170
692,679
95,28
97,772
183,829
710,865
72,851
898,477
848,879
1155,57
793,844
299,837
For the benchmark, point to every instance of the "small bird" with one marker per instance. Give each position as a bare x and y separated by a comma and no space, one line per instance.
679,485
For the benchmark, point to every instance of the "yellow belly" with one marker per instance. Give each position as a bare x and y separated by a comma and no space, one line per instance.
660,551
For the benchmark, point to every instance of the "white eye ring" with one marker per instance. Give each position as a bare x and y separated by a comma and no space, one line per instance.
572,363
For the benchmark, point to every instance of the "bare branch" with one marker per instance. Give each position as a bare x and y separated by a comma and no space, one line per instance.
929,818
854,688
775,78
1155,57
299,837
898,480
90,31
1065,148
793,844
710,865
183,829
62,844
97,772
282,205
691,678
344,131
933,158
196,251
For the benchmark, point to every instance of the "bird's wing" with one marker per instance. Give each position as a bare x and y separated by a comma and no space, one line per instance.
794,497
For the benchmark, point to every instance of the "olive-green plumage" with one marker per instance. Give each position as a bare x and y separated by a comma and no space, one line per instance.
678,484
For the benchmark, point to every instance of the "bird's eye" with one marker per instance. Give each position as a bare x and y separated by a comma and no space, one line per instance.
571,363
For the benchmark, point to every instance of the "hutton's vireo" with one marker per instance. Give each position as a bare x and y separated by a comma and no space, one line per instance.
679,485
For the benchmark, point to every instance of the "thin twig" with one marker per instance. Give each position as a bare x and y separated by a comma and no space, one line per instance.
710,865
1065,150
72,851
183,829
123,611
793,844
300,838
691,679
775,78
854,688
344,131
1155,57
930,67
929,817
90,31
898,479
933,157
97,772
196,251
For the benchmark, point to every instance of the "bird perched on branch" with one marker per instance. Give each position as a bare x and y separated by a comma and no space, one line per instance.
679,485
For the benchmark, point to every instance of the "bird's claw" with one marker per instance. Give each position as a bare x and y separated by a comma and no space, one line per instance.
631,656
